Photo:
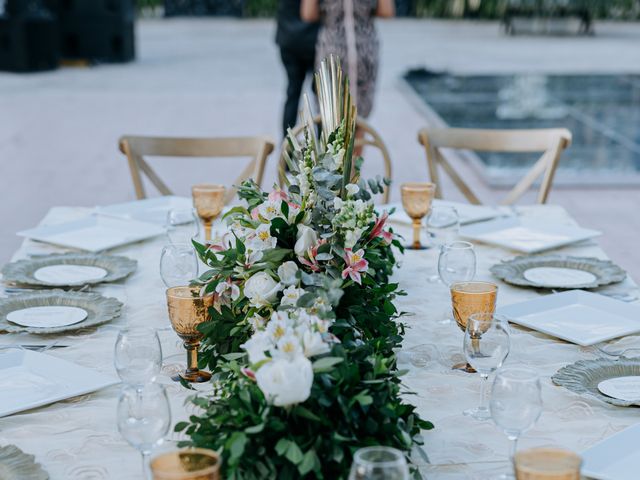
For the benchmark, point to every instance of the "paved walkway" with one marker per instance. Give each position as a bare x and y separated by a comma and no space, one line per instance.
59,130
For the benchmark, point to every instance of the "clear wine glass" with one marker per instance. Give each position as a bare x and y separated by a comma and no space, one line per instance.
456,263
486,346
516,403
379,463
182,225
144,418
137,355
443,225
178,265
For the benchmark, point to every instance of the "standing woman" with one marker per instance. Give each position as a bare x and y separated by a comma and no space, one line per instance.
348,31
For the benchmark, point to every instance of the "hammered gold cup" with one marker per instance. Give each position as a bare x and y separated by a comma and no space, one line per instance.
547,464
416,201
187,464
469,298
208,200
187,310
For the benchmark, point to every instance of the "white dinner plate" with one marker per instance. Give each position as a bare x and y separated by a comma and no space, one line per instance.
30,379
49,316
526,235
67,274
576,316
151,210
622,388
467,213
615,458
94,233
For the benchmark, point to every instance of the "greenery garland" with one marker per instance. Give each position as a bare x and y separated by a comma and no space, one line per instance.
303,329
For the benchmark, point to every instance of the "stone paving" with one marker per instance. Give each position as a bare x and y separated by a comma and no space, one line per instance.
199,77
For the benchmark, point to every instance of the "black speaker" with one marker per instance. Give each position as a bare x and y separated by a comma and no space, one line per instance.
123,9
98,39
29,43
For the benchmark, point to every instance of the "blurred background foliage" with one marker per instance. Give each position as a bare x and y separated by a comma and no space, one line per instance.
480,9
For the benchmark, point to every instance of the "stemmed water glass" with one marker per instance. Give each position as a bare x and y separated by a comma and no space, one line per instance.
182,225
443,224
486,346
208,200
137,355
379,463
178,265
144,418
456,263
416,201
516,403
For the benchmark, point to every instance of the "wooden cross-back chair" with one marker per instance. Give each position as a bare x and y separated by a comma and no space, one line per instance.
136,148
370,137
551,142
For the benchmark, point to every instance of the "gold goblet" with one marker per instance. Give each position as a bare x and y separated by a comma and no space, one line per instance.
208,200
468,298
187,310
187,464
416,201
547,464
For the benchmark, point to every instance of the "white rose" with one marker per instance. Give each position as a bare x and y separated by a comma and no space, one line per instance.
290,296
261,289
314,344
306,238
257,345
352,189
287,273
286,382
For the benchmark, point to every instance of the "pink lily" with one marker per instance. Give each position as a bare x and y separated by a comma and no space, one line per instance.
378,229
250,374
278,195
311,253
355,265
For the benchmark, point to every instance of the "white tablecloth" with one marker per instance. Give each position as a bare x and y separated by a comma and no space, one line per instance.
78,438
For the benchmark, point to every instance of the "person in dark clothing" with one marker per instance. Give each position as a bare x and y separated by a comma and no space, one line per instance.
297,42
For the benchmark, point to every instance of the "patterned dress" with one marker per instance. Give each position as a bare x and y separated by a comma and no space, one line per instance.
348,31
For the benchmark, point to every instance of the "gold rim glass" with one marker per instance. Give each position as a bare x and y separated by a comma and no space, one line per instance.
416,201
468,298
208,200
187,464
547,464
187,310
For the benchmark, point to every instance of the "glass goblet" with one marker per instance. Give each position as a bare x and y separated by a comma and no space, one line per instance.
416,201
486,346
379,463
182,225
208,199
468,298
178,265
187,310
547,464
144,418
516,403
443,224
456,263
187,464
137,355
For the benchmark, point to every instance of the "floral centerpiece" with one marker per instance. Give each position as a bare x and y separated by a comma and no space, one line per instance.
304,326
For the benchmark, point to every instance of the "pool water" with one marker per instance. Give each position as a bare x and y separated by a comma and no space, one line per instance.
601,111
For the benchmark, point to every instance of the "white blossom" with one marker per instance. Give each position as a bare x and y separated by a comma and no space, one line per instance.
290,295
305,239
287,273
261,289
286,382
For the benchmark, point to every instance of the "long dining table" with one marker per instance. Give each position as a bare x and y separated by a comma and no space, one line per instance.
78,438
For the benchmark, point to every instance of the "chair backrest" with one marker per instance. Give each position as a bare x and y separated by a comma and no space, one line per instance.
551,142
370,137
136,148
